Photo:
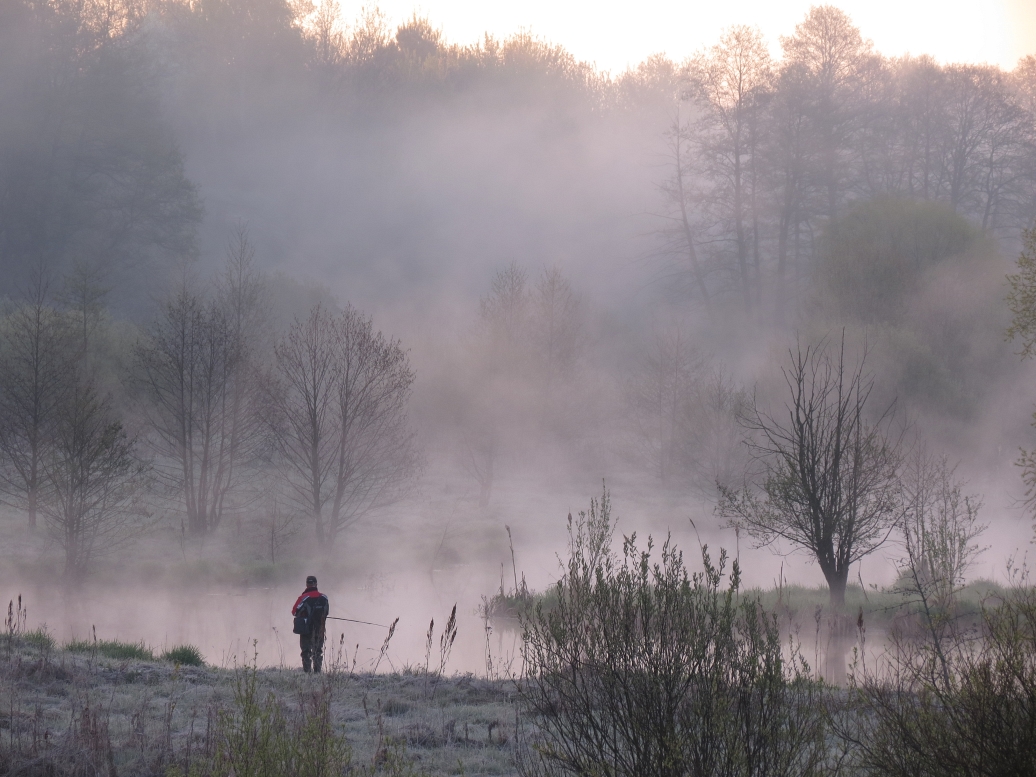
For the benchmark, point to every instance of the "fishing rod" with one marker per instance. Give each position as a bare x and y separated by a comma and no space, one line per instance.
353,620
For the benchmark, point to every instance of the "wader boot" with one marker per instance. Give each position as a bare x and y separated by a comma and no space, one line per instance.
318,648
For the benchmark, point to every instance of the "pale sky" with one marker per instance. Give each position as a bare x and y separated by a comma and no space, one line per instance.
617,33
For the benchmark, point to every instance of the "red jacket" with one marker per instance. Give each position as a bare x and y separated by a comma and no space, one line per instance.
309,593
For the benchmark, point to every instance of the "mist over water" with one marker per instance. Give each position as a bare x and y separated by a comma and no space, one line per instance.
582,291
424,557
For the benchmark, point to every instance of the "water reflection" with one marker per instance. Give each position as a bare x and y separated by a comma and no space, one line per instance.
231,624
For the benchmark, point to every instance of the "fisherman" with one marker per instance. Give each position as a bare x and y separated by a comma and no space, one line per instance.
311,610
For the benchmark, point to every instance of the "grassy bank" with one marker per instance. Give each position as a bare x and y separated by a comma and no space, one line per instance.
794,604
116,708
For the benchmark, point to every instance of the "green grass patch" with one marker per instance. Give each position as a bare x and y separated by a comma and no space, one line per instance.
39,638
112,648
513,605
185,655
796,602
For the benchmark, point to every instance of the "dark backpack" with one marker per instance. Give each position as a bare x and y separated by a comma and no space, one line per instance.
311,615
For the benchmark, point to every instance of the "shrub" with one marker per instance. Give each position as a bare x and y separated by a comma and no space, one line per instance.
258,737
875,255
640,668
186,655
958,701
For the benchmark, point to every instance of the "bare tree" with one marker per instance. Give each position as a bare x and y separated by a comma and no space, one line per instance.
479,457
729,85
656,398
35,351
786,161
329,36
831,483
681,238
370,35
83,292
504,312
834,56
243,294
939,526
1021,300
502,376
95,480
714,450
242,299
305,397
556,328
342,423
196,370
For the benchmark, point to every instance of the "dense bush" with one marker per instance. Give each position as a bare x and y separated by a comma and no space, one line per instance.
641,668
952,702
874,257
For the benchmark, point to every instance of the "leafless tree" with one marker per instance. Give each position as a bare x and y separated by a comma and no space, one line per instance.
714,449
682,235
831,483
203,395
243,294
83,292
273,524
370,35
305,397
242,299
656,398
95,480
35,353
501,378
479,459
729,86
557,328
504,312
940,527
330,38
341,395
835,58
785,163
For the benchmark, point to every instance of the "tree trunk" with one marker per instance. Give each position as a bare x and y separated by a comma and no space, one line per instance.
836,582
782,263
32,508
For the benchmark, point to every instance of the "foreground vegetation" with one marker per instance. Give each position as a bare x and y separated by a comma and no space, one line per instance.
638,666
79,710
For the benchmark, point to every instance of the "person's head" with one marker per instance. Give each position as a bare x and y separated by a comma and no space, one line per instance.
311,582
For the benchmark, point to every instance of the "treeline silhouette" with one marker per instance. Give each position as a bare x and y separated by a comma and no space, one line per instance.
763,152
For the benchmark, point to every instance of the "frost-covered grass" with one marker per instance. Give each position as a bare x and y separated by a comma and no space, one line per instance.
62,710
